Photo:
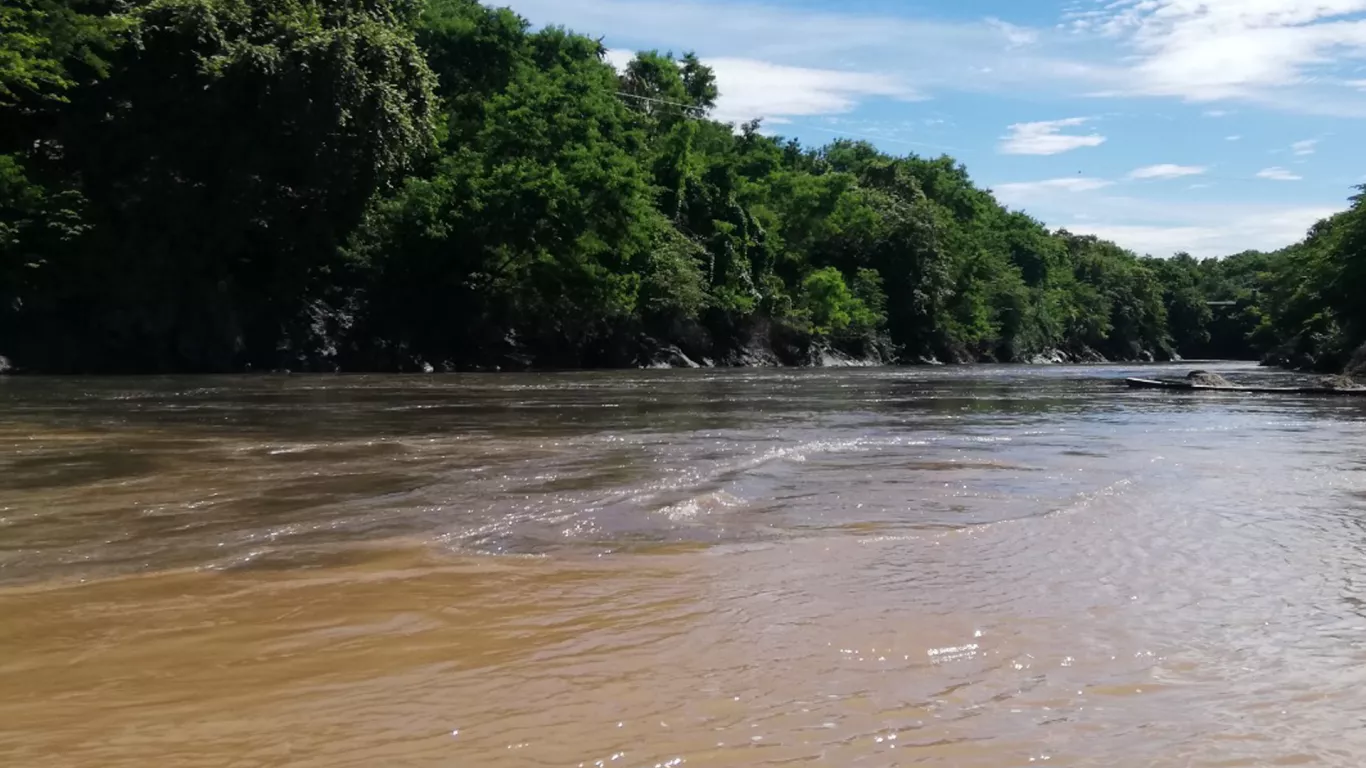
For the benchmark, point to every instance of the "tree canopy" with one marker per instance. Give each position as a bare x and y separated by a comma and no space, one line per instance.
213,185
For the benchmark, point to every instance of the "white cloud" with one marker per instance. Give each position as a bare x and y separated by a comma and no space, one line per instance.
756,89
1205,50
1233,138
619,58
1252,230
752,89
1215,113
1047,138
1165,225
1289,54
1021,193
923,54
1167,171
1278,174
1016,36
1306,147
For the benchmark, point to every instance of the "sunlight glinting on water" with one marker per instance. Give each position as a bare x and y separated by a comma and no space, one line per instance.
960,567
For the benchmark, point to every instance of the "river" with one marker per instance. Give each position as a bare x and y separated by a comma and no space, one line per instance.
984,566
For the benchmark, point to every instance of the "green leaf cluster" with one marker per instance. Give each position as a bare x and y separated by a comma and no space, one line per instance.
217,184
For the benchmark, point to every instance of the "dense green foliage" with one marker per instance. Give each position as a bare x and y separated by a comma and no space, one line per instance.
224,184
1301,306
182,208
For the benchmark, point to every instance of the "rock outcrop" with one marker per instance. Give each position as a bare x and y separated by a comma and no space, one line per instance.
1207,379
671,357
1074,355
1340,383
1356,367
825,356
1049,357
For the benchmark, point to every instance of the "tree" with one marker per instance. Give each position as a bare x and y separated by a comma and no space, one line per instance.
211,184
531,232
1188,314
50,46
219,166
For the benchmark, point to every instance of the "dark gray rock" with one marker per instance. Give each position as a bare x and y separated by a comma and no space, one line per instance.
1071,355
752,356
825,356
1088,355
1049,357
1207,379
1340,383
1356,367
671,357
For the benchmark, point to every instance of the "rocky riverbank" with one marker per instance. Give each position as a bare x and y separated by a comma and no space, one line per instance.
1356,367
332,344
1305,357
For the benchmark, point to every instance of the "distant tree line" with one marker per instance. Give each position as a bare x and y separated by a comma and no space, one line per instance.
220,185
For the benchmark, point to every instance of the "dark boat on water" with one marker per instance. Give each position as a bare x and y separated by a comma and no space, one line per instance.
1188,386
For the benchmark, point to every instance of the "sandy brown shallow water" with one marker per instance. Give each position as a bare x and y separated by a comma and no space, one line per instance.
973,567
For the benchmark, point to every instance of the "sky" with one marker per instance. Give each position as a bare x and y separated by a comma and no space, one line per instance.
1205,126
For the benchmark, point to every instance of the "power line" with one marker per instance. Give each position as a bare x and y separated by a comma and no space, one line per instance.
700,112
870,137
691,108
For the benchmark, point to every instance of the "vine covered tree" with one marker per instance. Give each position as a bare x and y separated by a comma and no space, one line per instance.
211,185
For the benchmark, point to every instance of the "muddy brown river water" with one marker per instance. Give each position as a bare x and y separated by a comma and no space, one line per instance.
967,567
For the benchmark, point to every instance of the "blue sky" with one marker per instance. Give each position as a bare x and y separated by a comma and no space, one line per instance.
1209,126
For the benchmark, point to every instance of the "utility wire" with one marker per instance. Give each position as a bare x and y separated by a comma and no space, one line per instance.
870,137
700,112
692,108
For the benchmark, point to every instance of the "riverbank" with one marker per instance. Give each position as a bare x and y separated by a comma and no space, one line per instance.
650,354
755,343
1307,360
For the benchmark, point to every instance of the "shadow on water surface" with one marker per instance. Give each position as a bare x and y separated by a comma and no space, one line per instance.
73,467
